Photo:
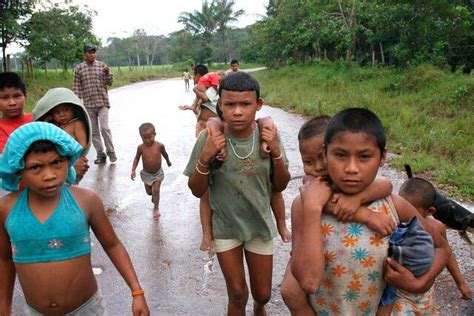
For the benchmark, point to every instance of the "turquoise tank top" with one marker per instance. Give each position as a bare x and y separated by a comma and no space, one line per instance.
64,235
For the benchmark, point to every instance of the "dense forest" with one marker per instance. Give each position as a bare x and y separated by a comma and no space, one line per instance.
368,32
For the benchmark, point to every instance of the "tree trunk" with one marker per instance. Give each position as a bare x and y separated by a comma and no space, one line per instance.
45,69
4,56
373,56
8,62
381,53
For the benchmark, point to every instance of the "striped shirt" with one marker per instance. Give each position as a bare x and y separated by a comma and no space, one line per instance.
90,84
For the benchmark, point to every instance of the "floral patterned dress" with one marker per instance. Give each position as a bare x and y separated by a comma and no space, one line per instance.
354,255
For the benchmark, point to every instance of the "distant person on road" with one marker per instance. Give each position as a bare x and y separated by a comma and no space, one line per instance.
45,229
63,108
91,79
186,76
12,102
239,192
152,174
234,66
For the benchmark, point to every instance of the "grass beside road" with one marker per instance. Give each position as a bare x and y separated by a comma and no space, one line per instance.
427,112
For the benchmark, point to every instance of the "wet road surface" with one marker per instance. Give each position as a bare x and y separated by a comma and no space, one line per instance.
178,278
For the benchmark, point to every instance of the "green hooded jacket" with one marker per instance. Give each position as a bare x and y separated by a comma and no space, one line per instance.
57,96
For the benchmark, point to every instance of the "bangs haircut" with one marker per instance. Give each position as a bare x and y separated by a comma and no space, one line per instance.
41,146
356,120
200,70
239,81
12,80
314,127
145,127
421,189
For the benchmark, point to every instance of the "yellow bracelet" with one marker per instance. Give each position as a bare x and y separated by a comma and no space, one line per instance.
202,164
138,293
279,157
200,172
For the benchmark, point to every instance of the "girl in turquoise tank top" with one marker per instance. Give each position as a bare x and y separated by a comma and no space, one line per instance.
341,265
44,229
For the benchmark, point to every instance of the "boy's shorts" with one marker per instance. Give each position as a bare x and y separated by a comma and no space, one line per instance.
95,306
255,245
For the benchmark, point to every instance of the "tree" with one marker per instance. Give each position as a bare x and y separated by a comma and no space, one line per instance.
72,28
11,12
225,15
202,24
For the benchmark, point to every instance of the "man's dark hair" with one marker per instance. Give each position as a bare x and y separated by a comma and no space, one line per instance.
421,189
314,127
200,70
12,80
145,127
356,120
41,146
239,81
234,61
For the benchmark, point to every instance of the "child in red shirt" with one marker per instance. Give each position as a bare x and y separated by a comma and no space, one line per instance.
12,102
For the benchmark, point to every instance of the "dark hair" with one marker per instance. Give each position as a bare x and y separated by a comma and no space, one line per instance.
41,146
12,80
234,61
420,188
314,127
239,81
356,120
200,70
145,127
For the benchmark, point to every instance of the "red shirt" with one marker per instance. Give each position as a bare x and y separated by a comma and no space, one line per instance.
8,126
209,79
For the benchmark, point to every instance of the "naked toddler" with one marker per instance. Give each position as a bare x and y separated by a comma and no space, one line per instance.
152,174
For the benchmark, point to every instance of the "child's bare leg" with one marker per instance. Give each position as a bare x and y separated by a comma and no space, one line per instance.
232,266
155,190
265,123
214,124
205,213
278,208
293,296
260,274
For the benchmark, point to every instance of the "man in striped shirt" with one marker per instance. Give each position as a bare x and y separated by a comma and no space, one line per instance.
91,79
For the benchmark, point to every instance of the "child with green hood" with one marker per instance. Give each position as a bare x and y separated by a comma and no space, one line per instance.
63,108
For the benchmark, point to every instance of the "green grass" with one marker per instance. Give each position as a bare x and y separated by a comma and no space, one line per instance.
427,112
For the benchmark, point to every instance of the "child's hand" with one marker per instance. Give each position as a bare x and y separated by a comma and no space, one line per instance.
346,206
185,107
314,192
466,293
169,163
269,136
132,175
139,306
214,143
381,223
106,70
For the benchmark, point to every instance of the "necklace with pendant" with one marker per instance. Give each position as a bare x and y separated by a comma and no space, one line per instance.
251,151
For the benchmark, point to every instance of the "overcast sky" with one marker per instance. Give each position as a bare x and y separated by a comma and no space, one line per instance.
120,18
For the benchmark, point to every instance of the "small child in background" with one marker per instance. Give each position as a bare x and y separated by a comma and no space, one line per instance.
311,140
12,102
186,76
152,174
63,108
421,194
44,229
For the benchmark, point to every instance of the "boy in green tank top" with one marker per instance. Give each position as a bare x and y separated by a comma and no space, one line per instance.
239,192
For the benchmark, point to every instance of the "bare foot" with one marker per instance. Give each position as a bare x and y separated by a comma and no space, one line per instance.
156,213
284,232
206,243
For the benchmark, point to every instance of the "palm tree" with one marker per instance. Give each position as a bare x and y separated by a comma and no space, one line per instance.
225,15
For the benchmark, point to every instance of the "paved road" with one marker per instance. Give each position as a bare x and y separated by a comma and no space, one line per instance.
178,278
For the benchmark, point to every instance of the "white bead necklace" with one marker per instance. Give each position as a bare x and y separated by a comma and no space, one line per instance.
251,151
